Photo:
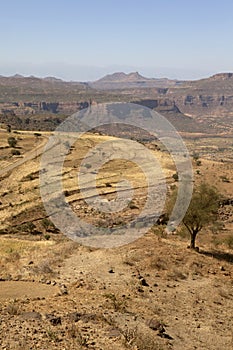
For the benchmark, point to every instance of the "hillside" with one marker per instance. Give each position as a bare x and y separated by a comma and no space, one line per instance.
153,293
204,105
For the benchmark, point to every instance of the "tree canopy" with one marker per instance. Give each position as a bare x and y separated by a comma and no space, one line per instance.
202,211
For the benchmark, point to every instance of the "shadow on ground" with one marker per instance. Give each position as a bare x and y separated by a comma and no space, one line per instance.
219,255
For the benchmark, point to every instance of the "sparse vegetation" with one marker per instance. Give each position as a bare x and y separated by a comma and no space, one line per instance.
13,308
175,176
48,225
12,141
229,242
104,287
202,210
118,304
15,152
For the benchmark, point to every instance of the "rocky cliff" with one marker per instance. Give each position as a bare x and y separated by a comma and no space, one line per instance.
208,102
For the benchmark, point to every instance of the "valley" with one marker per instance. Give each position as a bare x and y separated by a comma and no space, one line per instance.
151,293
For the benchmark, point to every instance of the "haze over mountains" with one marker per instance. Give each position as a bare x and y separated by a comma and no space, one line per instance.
208,102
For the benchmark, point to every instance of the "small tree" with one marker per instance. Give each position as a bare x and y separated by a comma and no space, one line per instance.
195,156
203,210
15,152
12,141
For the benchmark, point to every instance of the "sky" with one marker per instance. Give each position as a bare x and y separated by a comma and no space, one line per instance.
86,39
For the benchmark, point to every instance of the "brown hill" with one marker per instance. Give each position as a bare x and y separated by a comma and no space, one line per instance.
122,80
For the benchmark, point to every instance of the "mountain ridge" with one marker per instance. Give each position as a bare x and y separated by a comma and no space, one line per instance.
207,101
120,77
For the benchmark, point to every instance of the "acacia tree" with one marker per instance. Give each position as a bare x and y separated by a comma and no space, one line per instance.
202,211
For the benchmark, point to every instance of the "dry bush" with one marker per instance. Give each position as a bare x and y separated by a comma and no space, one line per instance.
158,263
52,335
229,242
13,308
118,304
74,333
12,257
129,335
159,231
43,268
176,275
147,341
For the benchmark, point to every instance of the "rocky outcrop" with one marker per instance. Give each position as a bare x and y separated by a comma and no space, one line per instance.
208,102
30,108
205,104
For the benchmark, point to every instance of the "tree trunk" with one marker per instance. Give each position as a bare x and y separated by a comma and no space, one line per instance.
193,239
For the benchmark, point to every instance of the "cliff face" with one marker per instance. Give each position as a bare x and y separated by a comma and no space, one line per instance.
206,97
194,105
197,104
30,108
207,101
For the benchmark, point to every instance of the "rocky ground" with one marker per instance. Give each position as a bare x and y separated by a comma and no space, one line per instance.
152,294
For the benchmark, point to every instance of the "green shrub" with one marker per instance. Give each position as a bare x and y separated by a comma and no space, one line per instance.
15,152
12,141
175,177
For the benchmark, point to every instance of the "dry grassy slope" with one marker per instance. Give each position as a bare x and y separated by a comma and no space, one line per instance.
107,299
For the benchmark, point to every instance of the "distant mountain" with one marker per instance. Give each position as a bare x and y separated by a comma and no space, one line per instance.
18,88
122,80
53,79
205,104
18,76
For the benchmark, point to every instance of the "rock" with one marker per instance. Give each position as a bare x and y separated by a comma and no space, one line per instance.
54,320
74,316
155,325
114,333
143,282
31,315
63,290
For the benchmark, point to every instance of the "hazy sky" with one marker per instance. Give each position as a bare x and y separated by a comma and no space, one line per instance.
85,39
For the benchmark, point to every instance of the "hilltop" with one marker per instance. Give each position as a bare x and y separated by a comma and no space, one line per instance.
122,80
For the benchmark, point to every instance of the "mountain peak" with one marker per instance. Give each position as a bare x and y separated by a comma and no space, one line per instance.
17,76
122,77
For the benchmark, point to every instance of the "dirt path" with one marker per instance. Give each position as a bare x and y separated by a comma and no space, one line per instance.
19,289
